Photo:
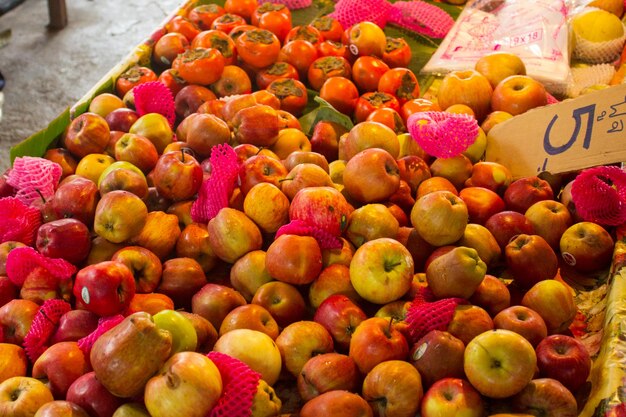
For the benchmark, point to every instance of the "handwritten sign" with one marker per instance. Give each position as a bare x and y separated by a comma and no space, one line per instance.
574,134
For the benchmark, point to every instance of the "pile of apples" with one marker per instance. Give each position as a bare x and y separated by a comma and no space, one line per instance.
415,285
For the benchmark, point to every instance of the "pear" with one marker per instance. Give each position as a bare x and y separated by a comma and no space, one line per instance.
456,273
127,356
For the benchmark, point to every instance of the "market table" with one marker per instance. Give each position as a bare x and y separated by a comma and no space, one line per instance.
600,298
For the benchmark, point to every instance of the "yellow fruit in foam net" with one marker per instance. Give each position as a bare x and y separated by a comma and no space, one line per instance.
597,25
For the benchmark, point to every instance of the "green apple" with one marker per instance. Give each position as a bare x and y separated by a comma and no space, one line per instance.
155,127
184,336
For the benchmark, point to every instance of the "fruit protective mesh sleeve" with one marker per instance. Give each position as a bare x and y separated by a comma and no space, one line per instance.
597,52
239,386
443,134
217,189
301,228
291,4
43,326
351,12
599,195
35,179
155,97
21,261
19,221
421,17
104,325
424,316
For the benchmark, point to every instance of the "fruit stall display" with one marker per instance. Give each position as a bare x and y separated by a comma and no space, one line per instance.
269,211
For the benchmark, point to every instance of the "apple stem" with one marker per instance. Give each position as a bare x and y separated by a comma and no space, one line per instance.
41,195
390,324
182,158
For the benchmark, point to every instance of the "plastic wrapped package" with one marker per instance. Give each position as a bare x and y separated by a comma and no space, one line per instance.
536,31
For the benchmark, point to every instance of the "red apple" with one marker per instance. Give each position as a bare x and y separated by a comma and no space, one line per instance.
440,217
565,359
337,403
586,246
16,317
481,203
516,94
554,301
530,259
499,363
506,225
257,124
492,294
546,396
59,366
177,176
203,131
371,175
376,340
190,97
467,87
8,290
381,270
76,197
327,372
491,175
88,133
120,215
251,317
138,150
61,408
438,355
181,279
22,396
452,396
498,65
121,119
105,288
294,259
340,316
524,321
393,388
214,301
525,192
261,168
145,266
300,341
550,219
74,325
68,239
232,234
89,394
284,302
323,207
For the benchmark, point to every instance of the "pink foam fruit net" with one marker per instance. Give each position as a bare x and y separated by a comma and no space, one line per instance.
35,179
240,385
23,260
417,16
442,134
37,340
425,315
421,17
215,191
291,4
599,195
19,221
155,97
104,325
325,239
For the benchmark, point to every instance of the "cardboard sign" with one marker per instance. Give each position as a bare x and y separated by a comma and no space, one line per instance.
574,134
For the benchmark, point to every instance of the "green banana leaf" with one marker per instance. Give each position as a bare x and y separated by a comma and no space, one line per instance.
422,48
